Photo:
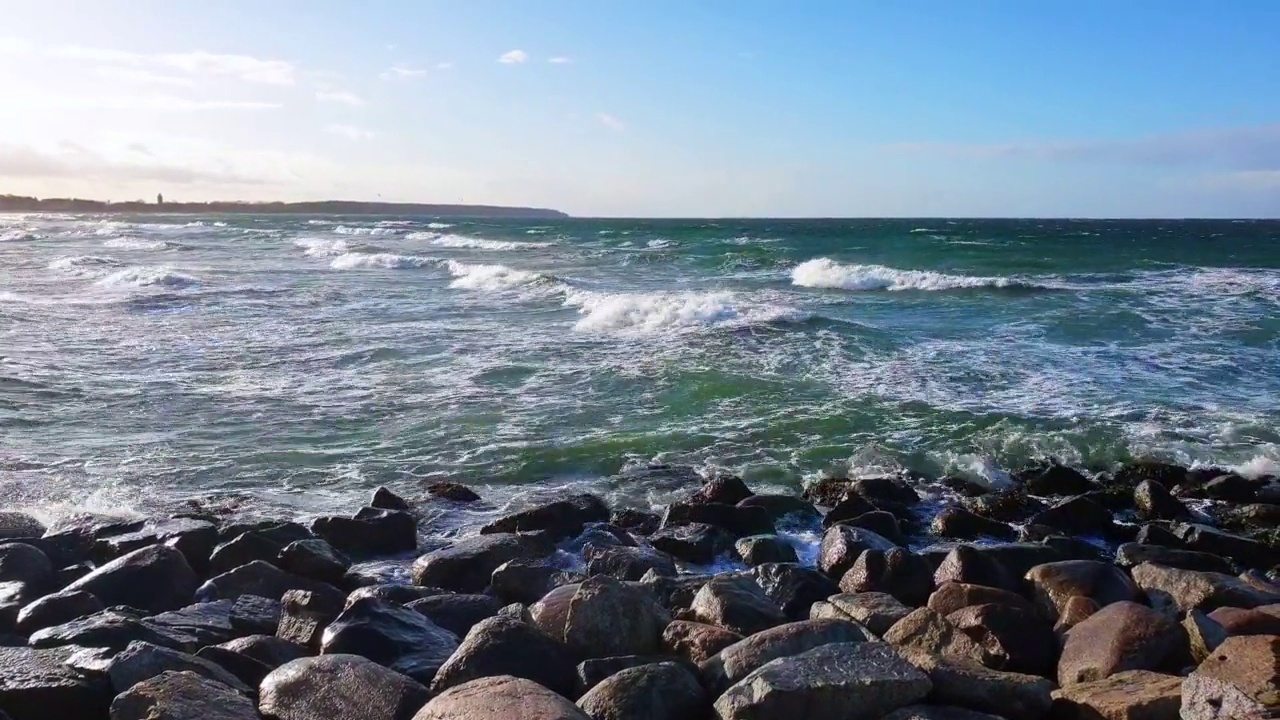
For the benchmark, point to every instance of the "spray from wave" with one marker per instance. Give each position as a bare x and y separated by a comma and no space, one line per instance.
320,248
492,277
386,261
827,273
668,311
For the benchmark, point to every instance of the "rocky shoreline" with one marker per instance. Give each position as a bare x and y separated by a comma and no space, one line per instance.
1149,592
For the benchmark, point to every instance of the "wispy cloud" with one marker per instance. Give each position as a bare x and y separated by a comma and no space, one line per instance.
350,132
611,122
444,66
197,64
560,60
158,103
72,161
140,76
403,72
340,97
513,57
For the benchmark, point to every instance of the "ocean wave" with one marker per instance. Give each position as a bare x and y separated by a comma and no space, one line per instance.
148,276
667,311
439,225
659,243
749,240
459,241
347,230
84,265
320,248
827,273
922,230
492,277
16,234
128,243
388,261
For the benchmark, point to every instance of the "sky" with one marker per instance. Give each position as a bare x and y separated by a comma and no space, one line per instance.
668,108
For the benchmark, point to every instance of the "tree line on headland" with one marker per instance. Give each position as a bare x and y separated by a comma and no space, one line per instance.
19,203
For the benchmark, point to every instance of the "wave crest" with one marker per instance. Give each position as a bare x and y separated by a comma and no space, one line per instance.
460,241
492,277
320,248
387,261
827,273
148,276
128,243
667,311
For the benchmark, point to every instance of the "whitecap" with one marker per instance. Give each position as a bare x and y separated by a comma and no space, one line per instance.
1259,466
923,230
439,225
659,243
664,311
459,241
491,277
388,261
84,265
827,273
346,230
321,248
128,243
148,276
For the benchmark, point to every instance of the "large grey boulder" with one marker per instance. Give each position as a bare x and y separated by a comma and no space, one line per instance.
502,646
142,661
663,690
467,565
844,681
263,580
740,659
390,635
155,578
876,611
40,685
841,546
736,604
339,686
967,684
182,696
1205,591
500,698
602,617
1121,636
696,642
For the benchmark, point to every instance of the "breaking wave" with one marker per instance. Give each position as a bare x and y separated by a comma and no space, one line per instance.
148,276
667,311
459,241
387,261
128,243
827,273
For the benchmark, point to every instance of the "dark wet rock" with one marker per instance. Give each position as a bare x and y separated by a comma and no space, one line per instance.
1132,694
1241,621
40,685
384,499
927,633
390,635
697,543
1080,515
1074,548
882,523
526,580
1121,636
1204,634
304,617
1241,679
142,661
607,618
1232,488
759,549
738,521
154,578
56,609
107,629
71,573
886,491
844,681
963,486
452,491
1155,502
938,712
1158,533
402,594
1011,505
1131,554
1058,481
851,505
1016,639
897,571
1205,591
725,489
198,624
736,604
636,521
952,596
968,564
1055,583
246,669
594,671
315,559
674,593
660,690
793,588
559,519
17,525
959,523
501,646
1203,538
968,684
339,686
26,564
371,532
264,580
499,698
71,537
874,610
1258,514
280,533
601,534
241,550
626,563
826,492
1166,474
841,546
266,649
467,565
182,695
696,642
782,506
457,613
252,614
1076,610
1018,558
740,659
195,539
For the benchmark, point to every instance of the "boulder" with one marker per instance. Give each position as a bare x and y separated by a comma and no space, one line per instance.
264,580
18,525
736,661
697,543
371,532
1241,621
315,559
1205,591
759,549
897,571
246,669
1241,679
626,563
1158,533
266,649
339,686
1128,695
390,635
606,618
594,671
208,623
841,546
1012,505
782,507
938,712
873,610
1131,554
953,596
1076,610
501,646
1055,583
40,685
842,681
452,491
500,698
384,499
736,604
850,506
968,684
1211,540
155,578
1232,488
793,588
1079,515
253,614
467,565
241,550
696,642
738,521
526,580
960,523
29,566
881,522
1155,502
638,522
57,609
1015,638
674,593
886,491
725,489
1057,480
926,633
195,539
457,613
1164,473
181,695
142,661
558,519
1204,635
660,690
281,533
1121,636
304,617
110,629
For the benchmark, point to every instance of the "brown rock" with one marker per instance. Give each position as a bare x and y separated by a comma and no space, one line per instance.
1077,610
1121,636
500,698
1206,591
452,491
1017,639
927,633
1203,634
696,642
742,658
841,546
1056,583
897,571
1129,695
1241,621
968,564
736,604
667,690
952,596
1250,663
875,611
607,618
968,684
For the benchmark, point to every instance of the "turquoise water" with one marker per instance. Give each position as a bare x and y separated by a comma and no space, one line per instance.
300,361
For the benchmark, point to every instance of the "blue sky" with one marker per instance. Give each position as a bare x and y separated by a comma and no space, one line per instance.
986,108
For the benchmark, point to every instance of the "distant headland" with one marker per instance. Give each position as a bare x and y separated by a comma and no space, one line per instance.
19,203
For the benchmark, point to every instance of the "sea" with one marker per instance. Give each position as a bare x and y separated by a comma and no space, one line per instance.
291,364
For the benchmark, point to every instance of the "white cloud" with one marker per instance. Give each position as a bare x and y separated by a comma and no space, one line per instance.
141,77
444,66
611,122
198,64
560,60
402,72
514,57
158,103
71,160
341,97
350,132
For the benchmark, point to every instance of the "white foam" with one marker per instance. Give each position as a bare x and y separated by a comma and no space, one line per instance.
1259,466
459,241
662,311
827,273
321,248
439,225
346,230
128,243
388,261
659,243
491,277
923,230
82,264
13,235
148,276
